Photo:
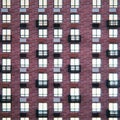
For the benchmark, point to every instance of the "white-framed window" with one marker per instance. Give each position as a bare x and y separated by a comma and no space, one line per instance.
58,77
58,3
113,63
58,62
6,18
74,107
113,76
43,19
112,118
74,48
96,18
6,118
74,61
24,3
75,3
74,118
74,91
6,62
42,3
96,118
113,92
42,92
74,77
24,48
96,62
113,33
113,17
42,106
96,48
43,118
24,118
24,18
58,48
24,107
74,18
96,77
24,62
24,33
6,48
42,33
113,106
24,92
96,3
96,33
113,46
96,107
6,34
96,92
58,92
58,18
24,77
58,107
58,33
58,118
6,77
6,3
6,107
42,63
113,3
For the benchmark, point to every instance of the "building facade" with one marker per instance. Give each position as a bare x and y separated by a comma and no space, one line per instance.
59,60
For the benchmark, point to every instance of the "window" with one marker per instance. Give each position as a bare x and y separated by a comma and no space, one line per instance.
113,33
96,62
74,118
24,62
58,18
96,33
58,62
58,118
74,48
113,106
6,47
96,77
42,3
24,77
43,33
6,64
96,107
74,77
24,118
6,3
24,92
58,77
24,18
24,107
74,61
113,92
24,48
57,3
6,118
96,3
113,47
57,92
113,17
74,107
42,63
113,3
57,33
6,77
74,32
6,18
6,91
113,76
96,48
113,119
74,18
74,91
24,3
74,3
58,107
96,18
42,76
58,48
43,118
113,63
42,92
42,106
42,47
96,92
24,33
43,20
6,35
6,107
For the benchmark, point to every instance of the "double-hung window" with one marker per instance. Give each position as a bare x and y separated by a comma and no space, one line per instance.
96,18
96,77
24,77
6,48
58,48
113,33
74,48
58,92
113,63
58,3
6,3
113,92
24,48
24,33
96,33
58,18
58,33
75,3
24,3
74,77
24,107
6,18
42,20
74,18
96,48
58,62
24,62
96,107
74,107
6,107
24,92
75,34
96,92
43,33
58,107
6,77
96,62
24,18
58,77
43,3
96,3
6,35
113,3
42,50
42,92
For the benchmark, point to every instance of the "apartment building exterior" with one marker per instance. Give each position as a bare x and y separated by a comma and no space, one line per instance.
59,60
